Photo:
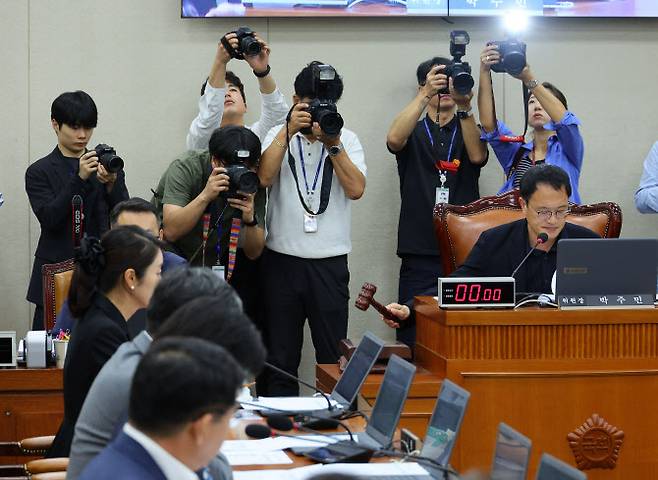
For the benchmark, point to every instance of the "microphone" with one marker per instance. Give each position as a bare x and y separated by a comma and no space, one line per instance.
299,380
77,226
283,423
541,238
260,431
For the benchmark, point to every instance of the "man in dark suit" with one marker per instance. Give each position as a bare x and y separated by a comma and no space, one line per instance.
545,191
52,181
181,402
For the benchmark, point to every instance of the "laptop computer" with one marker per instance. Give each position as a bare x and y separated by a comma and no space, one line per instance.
606,273
444,425
388,406
511,456
550,468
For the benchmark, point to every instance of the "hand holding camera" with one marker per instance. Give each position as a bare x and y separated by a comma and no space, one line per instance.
489,57
300,118
435,81
217,183
244,203
223,55
88,165
261,61
328,140
245,45
512,57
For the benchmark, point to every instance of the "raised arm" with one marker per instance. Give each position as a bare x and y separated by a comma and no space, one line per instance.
476,148
548,101
405,122
486,104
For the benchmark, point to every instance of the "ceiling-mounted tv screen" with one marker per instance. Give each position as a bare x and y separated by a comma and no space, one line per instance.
442,8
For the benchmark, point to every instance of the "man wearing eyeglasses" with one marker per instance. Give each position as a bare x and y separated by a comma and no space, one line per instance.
545,191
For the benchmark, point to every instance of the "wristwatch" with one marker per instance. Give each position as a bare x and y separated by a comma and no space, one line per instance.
462,114
532,84
335,149
253,223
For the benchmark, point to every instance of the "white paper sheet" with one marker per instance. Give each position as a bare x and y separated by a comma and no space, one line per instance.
276,457
288,404
361,469
278,443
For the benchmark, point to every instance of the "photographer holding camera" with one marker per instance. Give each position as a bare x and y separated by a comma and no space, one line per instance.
439,156
95,177
223,101
314,168
556,138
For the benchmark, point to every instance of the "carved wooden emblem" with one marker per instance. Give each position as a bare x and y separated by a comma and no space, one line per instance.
596,444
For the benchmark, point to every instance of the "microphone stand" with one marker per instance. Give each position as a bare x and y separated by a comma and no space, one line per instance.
541,238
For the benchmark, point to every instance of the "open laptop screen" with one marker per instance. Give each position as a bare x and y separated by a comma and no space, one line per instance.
511,456
357,369
390,400
445,423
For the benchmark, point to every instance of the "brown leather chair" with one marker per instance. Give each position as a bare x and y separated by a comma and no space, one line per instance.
28,447
458,227
56,282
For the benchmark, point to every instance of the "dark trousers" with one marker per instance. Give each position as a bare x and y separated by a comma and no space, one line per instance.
37,320
296,289
418,276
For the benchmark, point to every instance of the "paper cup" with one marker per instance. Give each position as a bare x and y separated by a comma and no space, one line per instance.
60,352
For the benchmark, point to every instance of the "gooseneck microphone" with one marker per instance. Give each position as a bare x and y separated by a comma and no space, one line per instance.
299,380
541,238
283,423
260,431
77,218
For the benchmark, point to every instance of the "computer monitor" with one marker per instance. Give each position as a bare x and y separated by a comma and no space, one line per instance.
445,422
388,406
550,468
357,369
511,456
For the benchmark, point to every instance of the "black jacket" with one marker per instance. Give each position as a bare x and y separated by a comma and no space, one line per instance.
94,339
50,183
499,251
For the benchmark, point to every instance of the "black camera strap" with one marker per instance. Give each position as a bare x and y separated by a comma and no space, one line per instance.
327,178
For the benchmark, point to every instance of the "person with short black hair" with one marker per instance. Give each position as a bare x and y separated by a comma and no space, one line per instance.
545,191
223,101
313,176
52,181
181,402
113,278
556,138
189,301
439,157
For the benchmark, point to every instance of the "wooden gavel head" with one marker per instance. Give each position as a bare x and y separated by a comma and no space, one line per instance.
366,296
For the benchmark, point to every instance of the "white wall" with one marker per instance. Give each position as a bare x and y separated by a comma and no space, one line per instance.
144,65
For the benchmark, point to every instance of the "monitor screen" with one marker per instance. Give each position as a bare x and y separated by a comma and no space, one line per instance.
445,423
550,468
442,8
511,456
390,400
357,369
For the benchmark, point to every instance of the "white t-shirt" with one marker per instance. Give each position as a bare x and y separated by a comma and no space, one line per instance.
274,110
285,214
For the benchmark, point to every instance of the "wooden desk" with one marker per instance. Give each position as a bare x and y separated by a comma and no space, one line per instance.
31,404
545,372
418,407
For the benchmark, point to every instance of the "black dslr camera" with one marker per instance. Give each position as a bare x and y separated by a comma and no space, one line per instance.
107,156
322,109
241,178
248,46
459,71
512,56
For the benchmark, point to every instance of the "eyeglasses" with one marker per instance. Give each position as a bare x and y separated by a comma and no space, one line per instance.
546,214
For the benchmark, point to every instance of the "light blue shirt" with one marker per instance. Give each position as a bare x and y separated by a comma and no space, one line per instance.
565,150
646,197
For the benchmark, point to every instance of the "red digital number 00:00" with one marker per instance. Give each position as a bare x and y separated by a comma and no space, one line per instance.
474,293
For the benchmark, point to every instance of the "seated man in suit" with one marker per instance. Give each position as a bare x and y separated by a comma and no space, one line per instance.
192,302
181,402
545,191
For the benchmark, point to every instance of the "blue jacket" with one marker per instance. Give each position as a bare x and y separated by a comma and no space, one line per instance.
124,458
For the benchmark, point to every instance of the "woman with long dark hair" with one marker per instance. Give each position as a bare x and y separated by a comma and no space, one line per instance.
114,277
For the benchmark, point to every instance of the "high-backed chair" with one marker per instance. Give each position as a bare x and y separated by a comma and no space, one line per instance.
56,282
458,227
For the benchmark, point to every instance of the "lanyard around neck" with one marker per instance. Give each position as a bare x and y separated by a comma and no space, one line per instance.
431,139
309,191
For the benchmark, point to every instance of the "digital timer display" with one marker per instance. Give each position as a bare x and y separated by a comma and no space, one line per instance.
476,292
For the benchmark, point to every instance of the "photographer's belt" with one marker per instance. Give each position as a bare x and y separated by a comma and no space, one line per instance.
310,217
442,194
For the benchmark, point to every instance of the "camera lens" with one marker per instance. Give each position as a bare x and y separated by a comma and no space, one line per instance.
248,182
514,62
463,82
250,46
112,163
330,122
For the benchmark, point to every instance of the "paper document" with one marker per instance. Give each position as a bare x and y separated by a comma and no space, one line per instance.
288,404
278,443
276,457
356,469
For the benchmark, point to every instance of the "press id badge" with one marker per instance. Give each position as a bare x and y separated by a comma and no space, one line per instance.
310,223
442,195
219,271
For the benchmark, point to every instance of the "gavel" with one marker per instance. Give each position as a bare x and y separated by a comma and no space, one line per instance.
366,298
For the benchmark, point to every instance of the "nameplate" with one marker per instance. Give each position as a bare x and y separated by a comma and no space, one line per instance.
606,301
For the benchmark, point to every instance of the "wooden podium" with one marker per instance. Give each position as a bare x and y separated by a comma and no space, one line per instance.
545,372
